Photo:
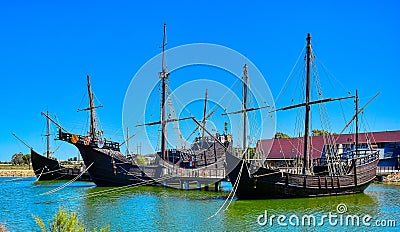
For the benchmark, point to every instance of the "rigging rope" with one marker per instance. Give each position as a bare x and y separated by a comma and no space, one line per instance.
44,173
68,183
289,78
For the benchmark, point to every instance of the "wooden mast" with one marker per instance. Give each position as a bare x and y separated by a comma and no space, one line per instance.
22,141
244,97
205,112
356,144
48,134
163,76
127,141
93,125
356,101
52,120
307,106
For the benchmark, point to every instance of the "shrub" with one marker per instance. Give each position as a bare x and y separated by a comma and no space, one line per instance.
65,221
3,228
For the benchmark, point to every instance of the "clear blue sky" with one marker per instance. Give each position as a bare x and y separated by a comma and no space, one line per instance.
48,47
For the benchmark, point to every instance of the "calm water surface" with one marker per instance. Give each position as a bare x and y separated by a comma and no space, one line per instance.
153,208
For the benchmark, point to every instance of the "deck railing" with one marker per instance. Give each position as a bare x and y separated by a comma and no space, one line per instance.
64,136
386,169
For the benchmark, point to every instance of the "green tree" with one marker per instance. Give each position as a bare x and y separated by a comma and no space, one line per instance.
251,152
280,135
26,158
17,159
140,160
65,221
317,132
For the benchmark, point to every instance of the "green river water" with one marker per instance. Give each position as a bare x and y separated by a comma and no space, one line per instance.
158,209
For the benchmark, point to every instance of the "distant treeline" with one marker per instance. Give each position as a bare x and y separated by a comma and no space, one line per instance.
315,132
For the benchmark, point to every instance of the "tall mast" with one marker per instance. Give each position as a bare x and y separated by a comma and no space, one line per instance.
127,141
48,134
307,106
205,112
163,76
93,125
245,79
356,101
355,155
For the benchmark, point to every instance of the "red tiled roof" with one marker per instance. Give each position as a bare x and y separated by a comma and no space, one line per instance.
293,147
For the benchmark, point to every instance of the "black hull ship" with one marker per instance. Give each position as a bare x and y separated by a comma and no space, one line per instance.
202,163
108,166
335,174
50,169
269,183
204,151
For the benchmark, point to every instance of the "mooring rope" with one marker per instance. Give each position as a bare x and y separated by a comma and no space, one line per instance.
59,177
130,174
52,181
114,190
236,187
68,183
230,195
41,173
120,188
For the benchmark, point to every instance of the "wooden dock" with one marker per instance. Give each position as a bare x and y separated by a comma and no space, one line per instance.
383,171
202,178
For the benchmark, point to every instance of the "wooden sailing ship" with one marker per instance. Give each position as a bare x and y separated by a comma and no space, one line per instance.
205,155
108,166
203,151
49,168
335,174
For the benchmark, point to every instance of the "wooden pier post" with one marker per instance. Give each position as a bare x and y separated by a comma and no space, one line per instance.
217,186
